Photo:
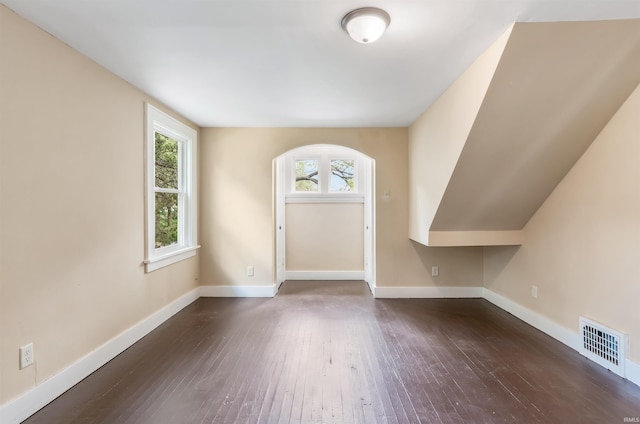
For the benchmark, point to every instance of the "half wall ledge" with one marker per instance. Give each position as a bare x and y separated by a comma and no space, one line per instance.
474,238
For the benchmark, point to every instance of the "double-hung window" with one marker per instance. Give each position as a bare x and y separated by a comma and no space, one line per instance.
171,202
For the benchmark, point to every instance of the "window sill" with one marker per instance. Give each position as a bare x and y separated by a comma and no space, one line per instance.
324,198
167,259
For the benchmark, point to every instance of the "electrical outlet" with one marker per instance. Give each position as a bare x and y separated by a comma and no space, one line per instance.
435,271
26,355
250,271
534,292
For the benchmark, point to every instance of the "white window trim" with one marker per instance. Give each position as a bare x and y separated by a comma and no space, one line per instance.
326,198
187,245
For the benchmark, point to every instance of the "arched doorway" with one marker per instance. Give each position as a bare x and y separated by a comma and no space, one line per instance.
319,185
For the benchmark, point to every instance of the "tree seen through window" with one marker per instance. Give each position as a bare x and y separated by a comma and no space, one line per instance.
342,172
341,175
307,175
167,190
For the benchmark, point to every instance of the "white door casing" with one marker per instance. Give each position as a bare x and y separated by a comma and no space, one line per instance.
366,192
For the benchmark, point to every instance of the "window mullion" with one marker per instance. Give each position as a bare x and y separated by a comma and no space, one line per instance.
167,190
324,172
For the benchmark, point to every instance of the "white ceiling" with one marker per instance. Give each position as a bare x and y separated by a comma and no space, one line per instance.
288,63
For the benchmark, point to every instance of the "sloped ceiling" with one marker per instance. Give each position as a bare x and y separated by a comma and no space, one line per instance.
555,88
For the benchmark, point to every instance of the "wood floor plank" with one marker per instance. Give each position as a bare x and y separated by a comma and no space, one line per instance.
327,352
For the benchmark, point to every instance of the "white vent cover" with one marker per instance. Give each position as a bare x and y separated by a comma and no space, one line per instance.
603,345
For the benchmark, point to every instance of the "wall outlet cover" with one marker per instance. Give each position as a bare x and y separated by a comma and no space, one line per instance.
26,355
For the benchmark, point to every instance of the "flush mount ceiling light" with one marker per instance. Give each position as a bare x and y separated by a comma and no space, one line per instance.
366,25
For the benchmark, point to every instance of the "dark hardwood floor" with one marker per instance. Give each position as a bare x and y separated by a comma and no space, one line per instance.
327,352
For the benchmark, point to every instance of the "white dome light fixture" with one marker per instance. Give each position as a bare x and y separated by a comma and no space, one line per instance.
366,25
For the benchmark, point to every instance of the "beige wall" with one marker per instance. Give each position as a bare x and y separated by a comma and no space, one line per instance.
437,137
582,247
324,236
71,207
236,213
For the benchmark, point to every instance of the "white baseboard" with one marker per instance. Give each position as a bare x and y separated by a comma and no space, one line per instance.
372,287
324,275
534,319
632,370
238,291
426,292
558,332
19,409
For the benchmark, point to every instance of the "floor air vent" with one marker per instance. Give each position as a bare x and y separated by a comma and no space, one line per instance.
603,345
